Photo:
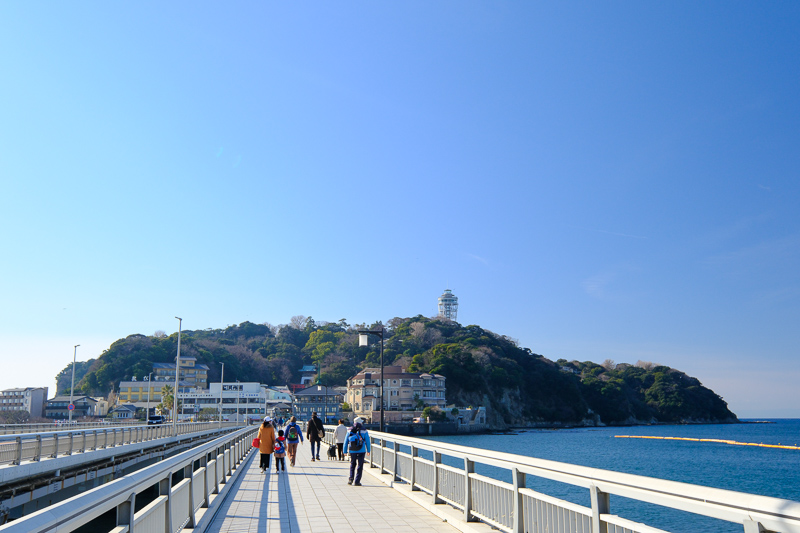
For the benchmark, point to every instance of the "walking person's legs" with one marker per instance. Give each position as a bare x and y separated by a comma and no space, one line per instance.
292,450
265,461
360,469
353,461
340,449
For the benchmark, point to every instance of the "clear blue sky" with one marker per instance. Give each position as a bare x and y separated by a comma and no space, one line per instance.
598,180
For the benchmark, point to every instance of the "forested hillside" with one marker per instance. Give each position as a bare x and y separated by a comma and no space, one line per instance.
518,387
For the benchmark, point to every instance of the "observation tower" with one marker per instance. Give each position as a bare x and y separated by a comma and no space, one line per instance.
448,305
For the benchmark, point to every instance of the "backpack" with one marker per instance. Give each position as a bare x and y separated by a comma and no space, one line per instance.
278,446
356,442
292,432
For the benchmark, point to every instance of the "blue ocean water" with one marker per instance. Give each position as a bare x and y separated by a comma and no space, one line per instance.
764,471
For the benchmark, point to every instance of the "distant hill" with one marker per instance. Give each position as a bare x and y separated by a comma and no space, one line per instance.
517,386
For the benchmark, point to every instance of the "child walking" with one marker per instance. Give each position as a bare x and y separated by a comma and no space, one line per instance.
280,452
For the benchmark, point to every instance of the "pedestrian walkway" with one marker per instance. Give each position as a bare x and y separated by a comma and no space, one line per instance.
314,497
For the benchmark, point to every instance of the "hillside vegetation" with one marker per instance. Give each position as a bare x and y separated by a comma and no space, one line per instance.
517,386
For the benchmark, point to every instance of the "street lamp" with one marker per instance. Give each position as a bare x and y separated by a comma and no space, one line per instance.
149,388
363,340
238,394
177,374
221,383
71,387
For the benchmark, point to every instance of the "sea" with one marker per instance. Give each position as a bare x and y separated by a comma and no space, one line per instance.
764,471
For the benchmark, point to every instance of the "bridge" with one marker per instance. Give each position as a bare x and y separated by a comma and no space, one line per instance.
37,469
409,484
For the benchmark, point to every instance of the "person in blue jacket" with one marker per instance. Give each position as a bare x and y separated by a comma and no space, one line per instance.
358,446
294,436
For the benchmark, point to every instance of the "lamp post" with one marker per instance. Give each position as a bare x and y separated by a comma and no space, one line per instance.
177,375
221,383
72,387
238,395
149,388
363,340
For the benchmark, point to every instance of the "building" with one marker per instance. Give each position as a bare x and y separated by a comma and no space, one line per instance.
30,399
308,374
137,392
250,400
448,305
325,401
125,411
403,391
194,374
58,407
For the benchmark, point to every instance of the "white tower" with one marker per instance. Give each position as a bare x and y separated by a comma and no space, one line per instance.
448,305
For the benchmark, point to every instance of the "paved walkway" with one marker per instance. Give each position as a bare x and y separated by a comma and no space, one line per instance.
315,498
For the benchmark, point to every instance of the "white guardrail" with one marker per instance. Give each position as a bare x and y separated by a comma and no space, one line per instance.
514,508
61,425
190,487
15,449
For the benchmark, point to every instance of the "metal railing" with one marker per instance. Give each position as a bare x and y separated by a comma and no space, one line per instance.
60,425
514,508
16,449
190,486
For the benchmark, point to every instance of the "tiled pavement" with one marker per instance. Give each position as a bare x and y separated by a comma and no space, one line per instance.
315,498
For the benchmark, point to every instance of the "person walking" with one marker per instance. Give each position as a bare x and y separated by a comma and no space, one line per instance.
315,433
339,435
266,438
358,446
294,436
280,452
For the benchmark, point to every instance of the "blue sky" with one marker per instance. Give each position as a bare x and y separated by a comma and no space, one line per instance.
598,180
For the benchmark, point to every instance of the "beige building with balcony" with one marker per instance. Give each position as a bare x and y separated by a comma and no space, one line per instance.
402,391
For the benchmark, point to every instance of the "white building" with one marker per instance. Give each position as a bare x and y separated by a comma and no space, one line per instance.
251,400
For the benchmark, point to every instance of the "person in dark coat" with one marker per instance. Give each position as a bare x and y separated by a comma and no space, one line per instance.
315,433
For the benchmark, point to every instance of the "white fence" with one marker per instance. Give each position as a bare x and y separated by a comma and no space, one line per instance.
61,425
190,487
514,508
14,449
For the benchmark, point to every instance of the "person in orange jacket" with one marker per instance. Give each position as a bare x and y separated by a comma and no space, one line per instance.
266,445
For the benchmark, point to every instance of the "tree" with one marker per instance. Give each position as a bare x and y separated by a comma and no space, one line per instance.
298,322
167,398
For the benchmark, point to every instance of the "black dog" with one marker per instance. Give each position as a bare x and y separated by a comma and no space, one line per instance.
332,452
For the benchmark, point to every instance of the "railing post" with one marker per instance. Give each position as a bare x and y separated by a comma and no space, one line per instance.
519,482
125,512
187,473
413,477
37,456
165,489
383,444
55,445
437,458
83,441
206,491
751,526
469,468
395,451
601,504
18,452
71,441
